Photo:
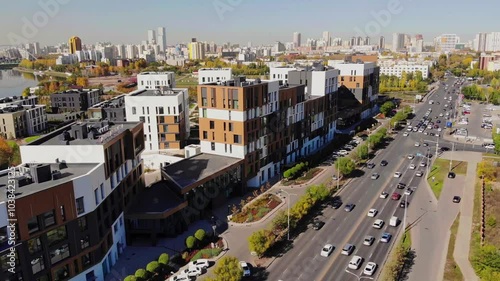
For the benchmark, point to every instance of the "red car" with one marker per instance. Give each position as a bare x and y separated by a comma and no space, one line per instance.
395,196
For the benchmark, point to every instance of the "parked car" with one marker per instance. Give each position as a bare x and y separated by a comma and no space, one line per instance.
370,268
192,272
246,269
201,263
317,225
386,237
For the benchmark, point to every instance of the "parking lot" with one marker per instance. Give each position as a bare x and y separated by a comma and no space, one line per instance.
479,112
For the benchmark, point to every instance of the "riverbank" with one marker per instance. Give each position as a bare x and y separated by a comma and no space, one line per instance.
45,73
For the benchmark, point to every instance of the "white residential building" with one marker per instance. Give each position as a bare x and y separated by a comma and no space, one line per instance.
396,68
165,114
211,75
446,42
280,73
155,80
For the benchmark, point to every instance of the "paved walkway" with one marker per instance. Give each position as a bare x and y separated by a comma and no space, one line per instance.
462,244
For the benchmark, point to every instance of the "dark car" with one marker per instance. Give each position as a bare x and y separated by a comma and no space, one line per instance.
317,225
404,204
401,185
456,199
438,121
384,163
451,175
348,207
336,204
425,144
370,165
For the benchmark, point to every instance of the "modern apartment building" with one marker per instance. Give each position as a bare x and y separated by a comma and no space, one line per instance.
487,42
70,197
362,80
18,121
398,42
196,50
155,80
165,115
14,100
267,123
75,44
211,75
280,73
446,42
74,100
396,68
112,110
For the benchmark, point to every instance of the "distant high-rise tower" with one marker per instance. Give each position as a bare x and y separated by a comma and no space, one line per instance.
296,39
353,41
381,43
162,39
326,38
367,40
151,37
359,41
398,42
75,44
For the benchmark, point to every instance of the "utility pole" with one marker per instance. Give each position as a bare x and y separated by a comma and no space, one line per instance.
452,151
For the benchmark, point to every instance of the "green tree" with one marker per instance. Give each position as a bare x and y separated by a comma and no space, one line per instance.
26,92
164,259
363,151
345,165
153,267
200,234
260,241
130,278
387,107
141,274
280,221
227,269
190,242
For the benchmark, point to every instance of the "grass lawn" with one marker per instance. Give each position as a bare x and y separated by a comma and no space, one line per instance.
451,270
206,254
392,262
307,177
406,241
439,172
30,139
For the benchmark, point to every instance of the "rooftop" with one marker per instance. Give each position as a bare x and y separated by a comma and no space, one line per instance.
158,199
116,102
16,108
193,169
76,91
156,73
30,182
158,92
16,99
226,68
85,133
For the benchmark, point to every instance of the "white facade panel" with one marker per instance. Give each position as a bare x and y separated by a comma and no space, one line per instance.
223,114
67,153
212,75
222,149
280,73
153,80
85,186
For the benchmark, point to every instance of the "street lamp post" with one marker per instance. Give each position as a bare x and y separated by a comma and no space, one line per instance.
358,277
404,215
451,158
288,204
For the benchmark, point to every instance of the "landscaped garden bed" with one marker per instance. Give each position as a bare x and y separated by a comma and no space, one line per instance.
206,252
303,179
257,209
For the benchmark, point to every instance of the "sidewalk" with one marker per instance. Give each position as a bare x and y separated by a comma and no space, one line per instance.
462,244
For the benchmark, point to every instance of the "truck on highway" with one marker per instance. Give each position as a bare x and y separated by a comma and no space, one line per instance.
394,221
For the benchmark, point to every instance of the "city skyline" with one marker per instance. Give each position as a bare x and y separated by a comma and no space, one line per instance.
233,21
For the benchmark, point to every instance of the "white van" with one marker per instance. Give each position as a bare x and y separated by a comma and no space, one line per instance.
394,221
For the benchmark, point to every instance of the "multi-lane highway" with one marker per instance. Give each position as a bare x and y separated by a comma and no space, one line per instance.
303,260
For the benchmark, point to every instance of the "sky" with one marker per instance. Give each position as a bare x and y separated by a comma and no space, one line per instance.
238,21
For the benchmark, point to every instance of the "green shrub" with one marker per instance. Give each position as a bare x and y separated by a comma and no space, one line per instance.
130,278
190,241
164,259
141,273
200,234
153,267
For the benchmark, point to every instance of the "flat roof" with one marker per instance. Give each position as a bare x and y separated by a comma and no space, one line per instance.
76,91
191,170
156,199
55,138
67,174
158,92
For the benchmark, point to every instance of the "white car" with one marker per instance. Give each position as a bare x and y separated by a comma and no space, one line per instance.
408,192
192,272
370,268
410,156
327,250
246,269
347,250
375,176
378,224
355,262
439,129
180,277
405,134
397,174
201,263
417,144
441,115
384,195
419,174
412,167
368,240
421,130
372,213
423,164
343,152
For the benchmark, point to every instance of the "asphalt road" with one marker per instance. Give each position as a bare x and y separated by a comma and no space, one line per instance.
303,260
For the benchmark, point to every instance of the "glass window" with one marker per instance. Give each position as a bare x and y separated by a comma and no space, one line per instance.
85,242
212,124
213,146
86,260
37,264
134,111
34,245
59,254
80,207
82,223
96,195
62,273
56,235
33,225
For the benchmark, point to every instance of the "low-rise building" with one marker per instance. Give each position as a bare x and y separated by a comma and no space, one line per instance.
211,75
14,100
165,115
18,121
396,68
74,100
112,110
155,80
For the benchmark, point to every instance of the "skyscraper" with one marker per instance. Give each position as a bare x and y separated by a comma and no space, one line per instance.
381,43
162,39
75,44
296,39
367,40
398,42
326,38
151,37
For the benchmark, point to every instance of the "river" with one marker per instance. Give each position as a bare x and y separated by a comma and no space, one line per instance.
12,83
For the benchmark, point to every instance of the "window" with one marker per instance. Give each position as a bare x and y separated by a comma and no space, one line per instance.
212,125
85,242
115,228
212,146
56,235
82,223
96,195
102,187
204,112
142,119
237,139
33,225
86,260
37,264
230,127
59,254
49,218
134,110
63,214
205,135
34,245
